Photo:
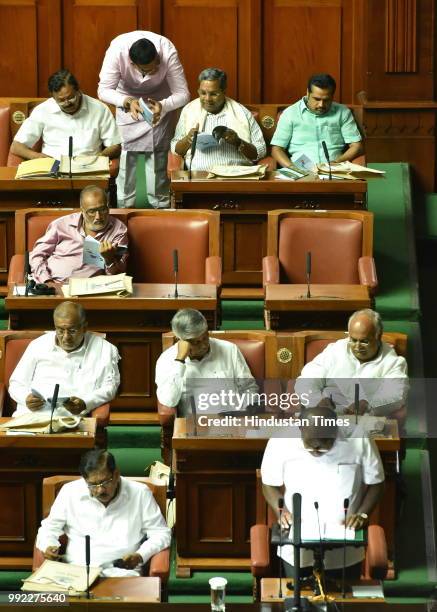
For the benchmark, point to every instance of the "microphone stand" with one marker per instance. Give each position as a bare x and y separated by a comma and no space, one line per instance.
343,574
53,406
176,270
26,273
281,509
357,402
87,561
308,273
70,155
326,152
193,151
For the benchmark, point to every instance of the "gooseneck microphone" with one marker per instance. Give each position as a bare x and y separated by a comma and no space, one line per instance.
26,273
193,150
297,512
175,271
357,402
87,563
281,509
343,573
70,155
326,152
308,273
53,406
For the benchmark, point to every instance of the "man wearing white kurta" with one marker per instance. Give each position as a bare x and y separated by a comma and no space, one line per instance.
143,65
326,467
117,513
200,366
83,364
361,358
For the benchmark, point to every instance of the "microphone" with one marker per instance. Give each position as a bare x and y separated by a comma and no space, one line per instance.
175,271
308,273
281,508
194,412
53,406
357,402
26,273
70,154
322,572
343,574
87,563
325,151
193,150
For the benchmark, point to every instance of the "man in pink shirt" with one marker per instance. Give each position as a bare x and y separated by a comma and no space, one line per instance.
58,255
143,65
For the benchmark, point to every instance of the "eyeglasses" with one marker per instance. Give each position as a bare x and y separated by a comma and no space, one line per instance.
93,212
357,341
100,485
69,101
70,331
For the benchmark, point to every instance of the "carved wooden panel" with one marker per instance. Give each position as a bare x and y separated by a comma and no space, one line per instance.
243,247
90,25
19,514
401,36
7,228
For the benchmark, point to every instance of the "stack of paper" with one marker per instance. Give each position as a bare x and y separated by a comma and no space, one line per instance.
54,576
85,165
119,284
39,422
42,167
238,172
349,170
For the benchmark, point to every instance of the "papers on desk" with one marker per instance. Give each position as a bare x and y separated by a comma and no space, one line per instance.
19,290
85,165
348,170
42,167
39,422
368,591
54,576
238,172
119,284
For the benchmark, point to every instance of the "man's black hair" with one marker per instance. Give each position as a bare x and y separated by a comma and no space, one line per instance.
96,459
323,81
142,52
60,79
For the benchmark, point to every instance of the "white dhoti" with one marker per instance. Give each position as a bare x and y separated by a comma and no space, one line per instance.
157,182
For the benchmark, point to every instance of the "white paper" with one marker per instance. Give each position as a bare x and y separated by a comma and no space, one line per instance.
206,142
146,112
304,162
19,290
91,254
368,591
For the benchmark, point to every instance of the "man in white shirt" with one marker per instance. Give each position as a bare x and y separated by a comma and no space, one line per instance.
323,466
202,367
361,358
83,364
69,112
240,142
117,513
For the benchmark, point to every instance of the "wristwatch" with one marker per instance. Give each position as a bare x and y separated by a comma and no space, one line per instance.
364,516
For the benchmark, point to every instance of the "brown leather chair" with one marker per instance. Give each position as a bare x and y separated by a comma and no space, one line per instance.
12,346
341,244
265,562
159,564
259,350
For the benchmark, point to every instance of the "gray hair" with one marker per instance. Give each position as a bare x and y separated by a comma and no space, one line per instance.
214,74
188,323
374,316
70,308
93,189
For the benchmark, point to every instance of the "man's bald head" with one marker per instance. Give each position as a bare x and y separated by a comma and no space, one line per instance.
70,325
319,435
365,331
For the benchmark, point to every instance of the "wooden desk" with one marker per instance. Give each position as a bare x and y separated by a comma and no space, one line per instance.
31,193
137,589
25,461
133,324
329,307
216,496
270,591
243,206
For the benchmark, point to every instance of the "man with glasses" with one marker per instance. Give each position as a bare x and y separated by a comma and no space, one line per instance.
121,516
240,142
83,364
69,112
143,65
361,358
58,255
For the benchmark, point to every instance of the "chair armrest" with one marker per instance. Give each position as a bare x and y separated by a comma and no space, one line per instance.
160,565
16,270
38,558
114,166
260,550
174,162
213,271
166,415
2,398
376,555
367,273
101,413
270,270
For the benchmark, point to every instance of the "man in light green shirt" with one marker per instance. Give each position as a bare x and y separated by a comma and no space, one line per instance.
315,118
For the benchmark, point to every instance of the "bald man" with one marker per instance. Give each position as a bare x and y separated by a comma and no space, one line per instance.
83,364
361,358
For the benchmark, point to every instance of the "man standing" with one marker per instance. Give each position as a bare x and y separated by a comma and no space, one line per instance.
143,65
240,143
315,118
69,112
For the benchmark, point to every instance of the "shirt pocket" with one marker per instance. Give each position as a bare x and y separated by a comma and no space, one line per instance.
334,135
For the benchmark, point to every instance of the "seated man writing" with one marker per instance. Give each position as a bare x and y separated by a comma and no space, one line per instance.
121,516
361,358
69,112
83,364
58,254
199,366
324,466
240,142
314,119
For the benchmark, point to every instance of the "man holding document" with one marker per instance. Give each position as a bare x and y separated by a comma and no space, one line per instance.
83,364
82,244
324,467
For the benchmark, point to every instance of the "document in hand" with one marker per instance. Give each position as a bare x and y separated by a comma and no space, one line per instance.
85,165
42,167
54,576
238,172
206,142
349,170
91,253
146,112
119,284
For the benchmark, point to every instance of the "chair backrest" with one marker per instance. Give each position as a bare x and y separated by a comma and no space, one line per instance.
154,235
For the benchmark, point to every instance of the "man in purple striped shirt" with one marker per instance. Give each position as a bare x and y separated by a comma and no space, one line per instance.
59,254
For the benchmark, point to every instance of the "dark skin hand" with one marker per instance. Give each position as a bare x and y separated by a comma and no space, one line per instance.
75,405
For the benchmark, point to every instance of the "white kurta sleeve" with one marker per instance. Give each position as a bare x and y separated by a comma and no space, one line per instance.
108,379
373,470
170,379
312,379
272,464
53,526
21,378
154,526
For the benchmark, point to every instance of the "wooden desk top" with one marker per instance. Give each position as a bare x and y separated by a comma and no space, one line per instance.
83,437
323,297
8,182
146,296
270,590
199,183
235,439
129,589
